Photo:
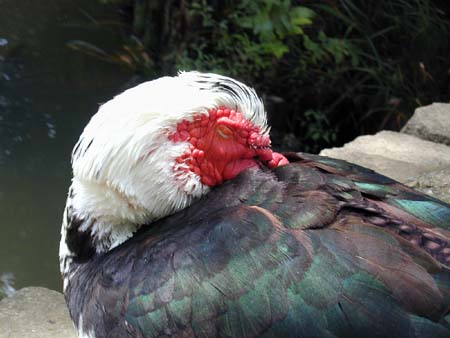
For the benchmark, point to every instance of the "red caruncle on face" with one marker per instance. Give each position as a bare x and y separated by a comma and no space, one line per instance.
222,144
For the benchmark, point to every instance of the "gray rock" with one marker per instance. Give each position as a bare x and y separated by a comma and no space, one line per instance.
396,155
435,183
430,123
35,312
398,170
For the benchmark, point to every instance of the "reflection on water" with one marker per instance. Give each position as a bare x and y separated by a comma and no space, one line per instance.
47,94
7,284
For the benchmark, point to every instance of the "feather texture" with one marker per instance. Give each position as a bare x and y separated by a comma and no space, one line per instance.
317,248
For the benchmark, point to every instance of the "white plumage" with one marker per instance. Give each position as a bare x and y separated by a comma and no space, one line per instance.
123,164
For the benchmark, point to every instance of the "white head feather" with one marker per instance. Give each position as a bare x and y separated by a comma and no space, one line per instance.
123,164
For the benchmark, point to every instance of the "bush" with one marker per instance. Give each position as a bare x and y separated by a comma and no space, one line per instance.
328,70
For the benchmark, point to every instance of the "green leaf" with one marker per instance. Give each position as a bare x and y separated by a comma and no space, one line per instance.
276,48
302,16
317,53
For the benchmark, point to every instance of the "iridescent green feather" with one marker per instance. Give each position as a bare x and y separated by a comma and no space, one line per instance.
314,256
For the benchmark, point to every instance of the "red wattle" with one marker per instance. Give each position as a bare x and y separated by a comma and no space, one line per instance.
234,168
265,154
222,144
277,160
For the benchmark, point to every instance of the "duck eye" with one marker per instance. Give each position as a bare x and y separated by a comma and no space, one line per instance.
224,132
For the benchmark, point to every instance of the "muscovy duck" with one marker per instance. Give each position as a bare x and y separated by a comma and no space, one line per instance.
182,222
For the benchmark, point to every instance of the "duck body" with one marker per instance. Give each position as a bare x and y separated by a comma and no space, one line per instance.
315,248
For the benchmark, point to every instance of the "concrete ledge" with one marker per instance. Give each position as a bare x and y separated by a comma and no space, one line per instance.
35,312
435,183
397,155
430,123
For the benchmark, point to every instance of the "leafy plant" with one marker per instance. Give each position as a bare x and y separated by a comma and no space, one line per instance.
328,70
243,42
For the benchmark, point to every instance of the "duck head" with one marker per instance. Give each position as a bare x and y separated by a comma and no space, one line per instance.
154,149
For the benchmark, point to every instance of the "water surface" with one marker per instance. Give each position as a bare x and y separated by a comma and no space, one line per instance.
47,94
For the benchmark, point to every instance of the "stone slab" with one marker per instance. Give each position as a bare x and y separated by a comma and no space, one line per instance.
35,312
396,155
398,170
435,183
430,123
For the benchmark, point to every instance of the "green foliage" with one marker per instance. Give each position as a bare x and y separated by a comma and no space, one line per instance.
243,42
329,69
317,127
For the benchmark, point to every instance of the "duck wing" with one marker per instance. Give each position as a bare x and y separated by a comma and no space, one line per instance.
317,248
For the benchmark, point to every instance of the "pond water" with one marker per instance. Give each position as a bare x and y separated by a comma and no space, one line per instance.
47,94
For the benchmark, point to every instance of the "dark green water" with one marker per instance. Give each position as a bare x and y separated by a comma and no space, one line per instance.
47,94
